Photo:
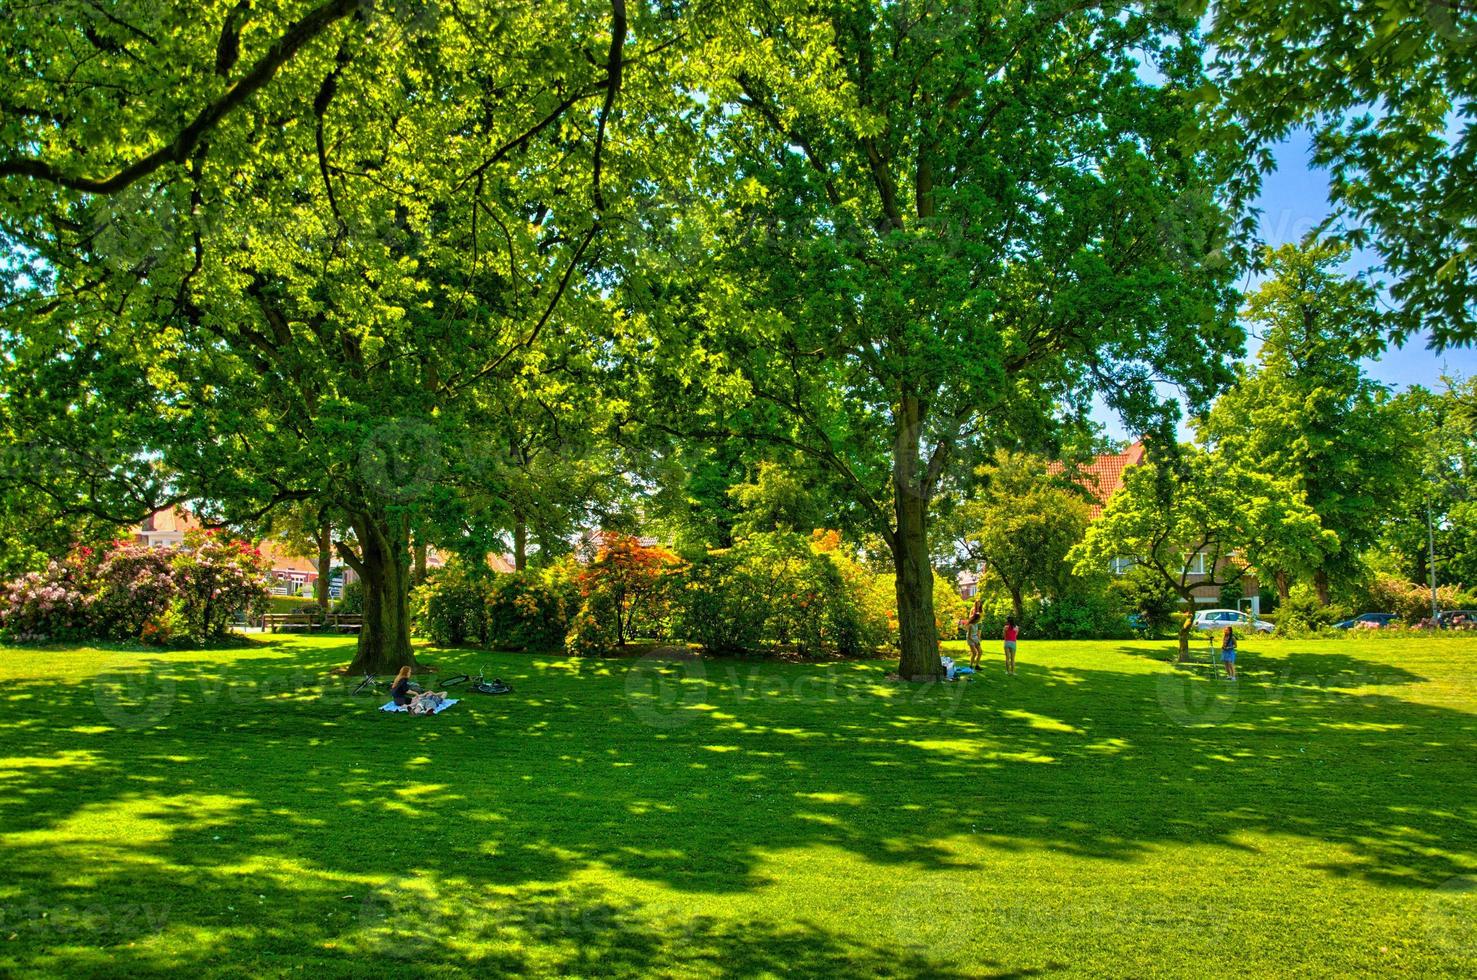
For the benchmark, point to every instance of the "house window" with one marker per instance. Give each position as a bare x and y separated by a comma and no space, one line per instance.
1195,564
1120,566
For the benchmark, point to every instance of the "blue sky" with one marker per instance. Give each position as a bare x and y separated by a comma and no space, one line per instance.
1293,201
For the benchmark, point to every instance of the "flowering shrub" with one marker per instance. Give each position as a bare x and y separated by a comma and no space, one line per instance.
778,589
629,583
720,608
880,600
874,620
1411,601
216,577
562,577
130,589
523,612
128,592
163,629
46,605
450,609
592,631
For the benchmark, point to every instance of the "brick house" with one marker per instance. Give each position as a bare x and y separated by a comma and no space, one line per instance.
291,574
1103,477
165,528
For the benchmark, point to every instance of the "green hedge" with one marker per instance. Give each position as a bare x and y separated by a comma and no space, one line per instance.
776,591
290,604
519,611
523,612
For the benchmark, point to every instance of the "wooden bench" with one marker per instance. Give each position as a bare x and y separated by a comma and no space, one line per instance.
272,622
345,622
308,621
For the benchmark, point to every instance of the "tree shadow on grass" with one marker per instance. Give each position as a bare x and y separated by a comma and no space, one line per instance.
421,925
264,806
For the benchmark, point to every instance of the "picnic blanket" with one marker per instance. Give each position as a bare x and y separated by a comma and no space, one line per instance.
392,706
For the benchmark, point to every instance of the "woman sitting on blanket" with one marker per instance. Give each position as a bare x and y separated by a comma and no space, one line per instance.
406,698
400,690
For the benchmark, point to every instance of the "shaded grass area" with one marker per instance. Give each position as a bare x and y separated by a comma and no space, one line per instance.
238,813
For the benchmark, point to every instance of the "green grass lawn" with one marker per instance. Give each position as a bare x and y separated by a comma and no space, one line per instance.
236,813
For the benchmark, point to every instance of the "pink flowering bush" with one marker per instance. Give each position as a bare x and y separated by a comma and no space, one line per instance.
216,577
46,605
127,592
129,588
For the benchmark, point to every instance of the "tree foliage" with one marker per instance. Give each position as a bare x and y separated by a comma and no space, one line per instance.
1435,502
1306,413
1022,525
926,229
1388,90
627,585
298,252
1195,503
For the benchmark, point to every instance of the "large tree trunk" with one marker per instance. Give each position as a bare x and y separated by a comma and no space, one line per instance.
1187,621
1284,587
1320,582
325,567
918,639
418,574
383,565
1017,603
520,545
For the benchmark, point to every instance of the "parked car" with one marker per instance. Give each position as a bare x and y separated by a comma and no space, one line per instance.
1367,621
1217,619
1457,619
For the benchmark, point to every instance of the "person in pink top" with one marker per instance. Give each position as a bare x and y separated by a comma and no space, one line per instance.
1010,634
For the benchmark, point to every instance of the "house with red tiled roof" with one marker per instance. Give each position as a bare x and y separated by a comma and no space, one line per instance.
165,528
291,574
298,574
1104,477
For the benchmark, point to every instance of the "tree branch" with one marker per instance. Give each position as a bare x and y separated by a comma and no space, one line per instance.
528,134
178,150
350,559
613,73
544,318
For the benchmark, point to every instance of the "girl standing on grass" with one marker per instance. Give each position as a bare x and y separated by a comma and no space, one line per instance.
972,636
1228,653
1010,634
